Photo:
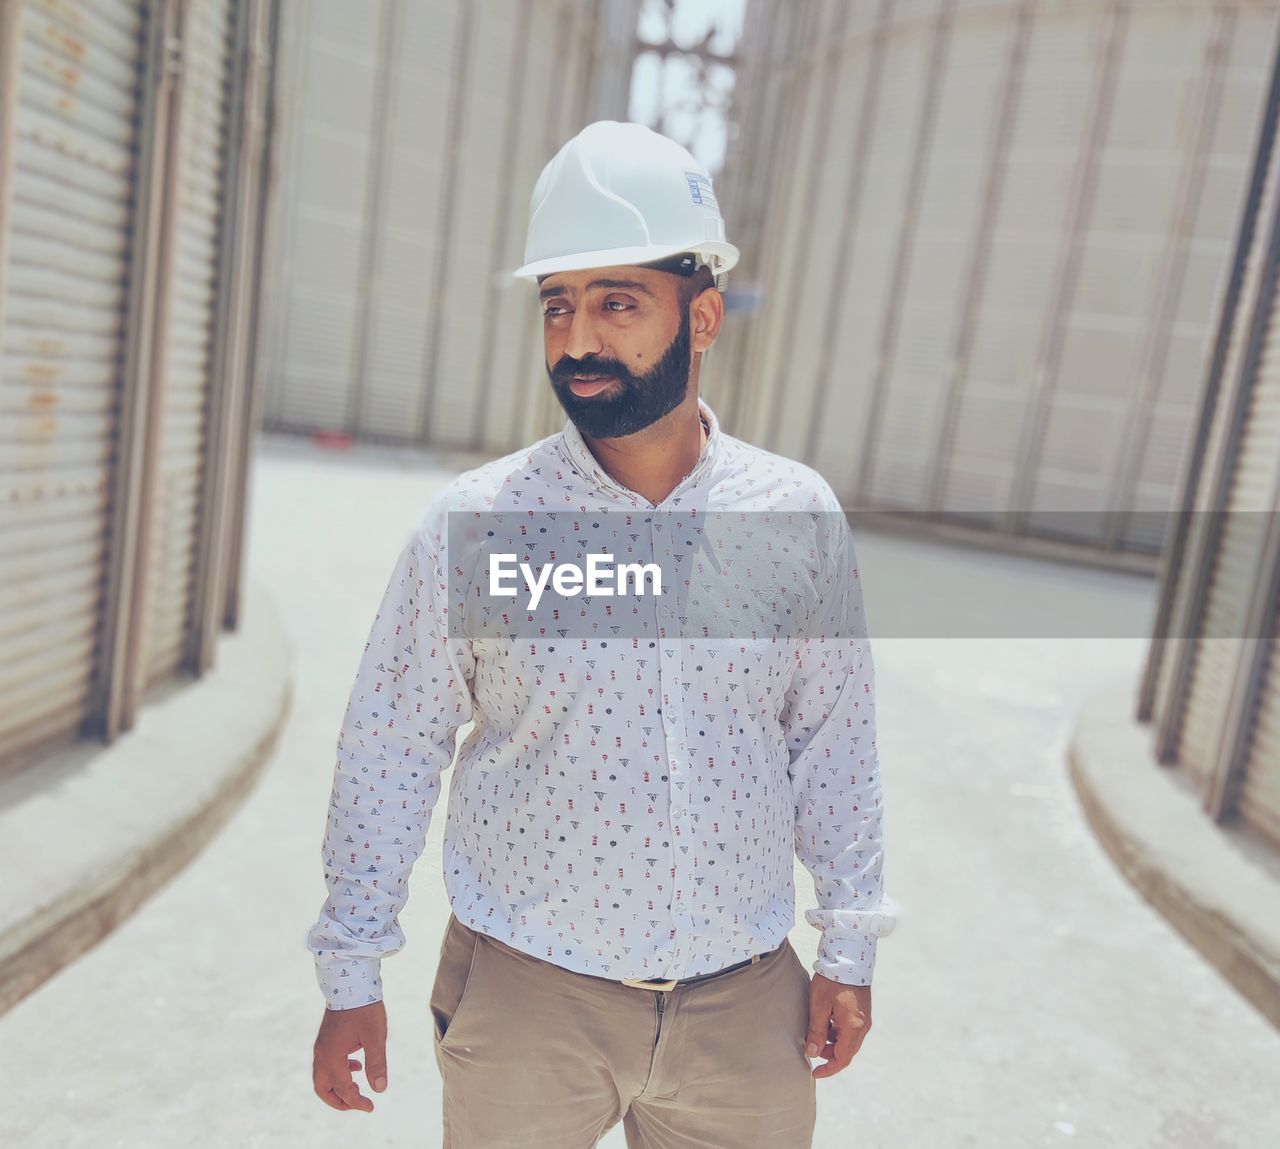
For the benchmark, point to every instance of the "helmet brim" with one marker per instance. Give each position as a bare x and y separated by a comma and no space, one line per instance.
726,255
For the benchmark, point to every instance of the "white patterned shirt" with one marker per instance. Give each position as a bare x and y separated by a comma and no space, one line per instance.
626,806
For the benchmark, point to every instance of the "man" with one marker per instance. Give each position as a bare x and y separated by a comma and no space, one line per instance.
624,817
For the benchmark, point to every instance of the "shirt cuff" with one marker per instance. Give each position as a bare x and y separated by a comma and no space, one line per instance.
849,960
348,983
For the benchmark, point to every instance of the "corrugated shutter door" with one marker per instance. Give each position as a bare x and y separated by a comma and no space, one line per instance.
207,30
1254,496
1259,797
1236,560
1197,722
60,377
1218,646
1246,68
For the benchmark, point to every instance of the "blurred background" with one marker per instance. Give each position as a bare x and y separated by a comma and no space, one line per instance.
1008,282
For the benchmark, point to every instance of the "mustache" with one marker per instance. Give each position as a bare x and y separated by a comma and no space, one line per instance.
567,368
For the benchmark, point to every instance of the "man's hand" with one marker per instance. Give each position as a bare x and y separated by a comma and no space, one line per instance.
839,1018
342,1032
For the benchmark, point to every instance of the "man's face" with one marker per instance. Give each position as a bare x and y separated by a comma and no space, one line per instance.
617,344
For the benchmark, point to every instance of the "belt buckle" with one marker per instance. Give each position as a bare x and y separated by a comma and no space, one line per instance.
663,984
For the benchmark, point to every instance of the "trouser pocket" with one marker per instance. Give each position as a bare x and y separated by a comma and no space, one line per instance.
455,975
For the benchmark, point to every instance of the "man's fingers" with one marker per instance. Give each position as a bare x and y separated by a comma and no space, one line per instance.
339,1091
849,1039
375,1066
331,1099
819,1021
342,1034
336,1087
349,1092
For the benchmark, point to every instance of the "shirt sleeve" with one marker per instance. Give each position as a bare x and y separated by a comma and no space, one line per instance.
829,723
410,696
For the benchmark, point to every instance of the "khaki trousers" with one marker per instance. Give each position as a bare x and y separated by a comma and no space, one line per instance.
534,1056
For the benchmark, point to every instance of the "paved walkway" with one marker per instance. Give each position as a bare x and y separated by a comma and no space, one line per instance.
1028,998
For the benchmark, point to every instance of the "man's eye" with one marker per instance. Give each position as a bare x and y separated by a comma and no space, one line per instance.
618,303
553,310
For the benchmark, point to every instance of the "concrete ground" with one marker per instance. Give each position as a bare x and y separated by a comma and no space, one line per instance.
1029,996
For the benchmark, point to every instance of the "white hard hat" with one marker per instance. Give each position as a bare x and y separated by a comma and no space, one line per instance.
620,193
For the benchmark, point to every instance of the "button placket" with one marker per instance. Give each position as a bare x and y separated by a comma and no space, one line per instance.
670,671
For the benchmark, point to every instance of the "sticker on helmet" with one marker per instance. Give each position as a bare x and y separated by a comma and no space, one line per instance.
700,190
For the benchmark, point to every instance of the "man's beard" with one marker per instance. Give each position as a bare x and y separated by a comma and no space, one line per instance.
638,401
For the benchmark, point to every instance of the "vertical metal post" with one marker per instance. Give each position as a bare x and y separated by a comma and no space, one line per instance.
227,376
113,699
134,669
265,59
292,30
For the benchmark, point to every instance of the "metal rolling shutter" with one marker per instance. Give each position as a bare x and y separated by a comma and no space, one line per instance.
1050,126
1221,644
1198,721
327,98
1207,248
424,64
62,345
1259,799
1197,729
454,385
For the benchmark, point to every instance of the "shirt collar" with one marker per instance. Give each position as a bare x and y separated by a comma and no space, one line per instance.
575,446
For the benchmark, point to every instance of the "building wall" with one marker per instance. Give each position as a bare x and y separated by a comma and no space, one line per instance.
130,140
411,135
992,237
1212,684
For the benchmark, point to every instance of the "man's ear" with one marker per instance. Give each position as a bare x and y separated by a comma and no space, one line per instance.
706,315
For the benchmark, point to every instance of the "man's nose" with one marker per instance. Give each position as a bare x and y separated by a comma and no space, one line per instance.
583,337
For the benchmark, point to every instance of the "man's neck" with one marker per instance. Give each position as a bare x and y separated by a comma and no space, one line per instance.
653,462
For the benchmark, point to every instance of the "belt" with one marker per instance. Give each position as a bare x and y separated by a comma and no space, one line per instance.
670,983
